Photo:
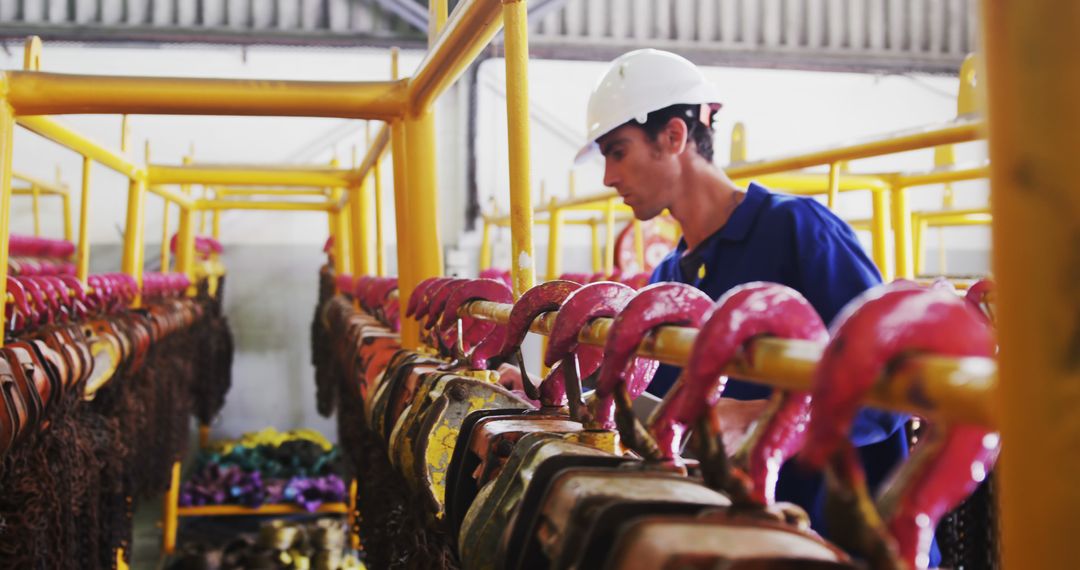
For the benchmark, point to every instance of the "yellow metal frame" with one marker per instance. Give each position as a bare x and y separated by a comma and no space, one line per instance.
921,221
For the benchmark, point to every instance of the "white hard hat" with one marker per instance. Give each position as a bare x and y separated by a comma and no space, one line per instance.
638,83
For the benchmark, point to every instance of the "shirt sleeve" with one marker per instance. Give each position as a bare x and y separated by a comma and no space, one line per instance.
832,269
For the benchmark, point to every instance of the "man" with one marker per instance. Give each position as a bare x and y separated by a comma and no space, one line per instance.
651,118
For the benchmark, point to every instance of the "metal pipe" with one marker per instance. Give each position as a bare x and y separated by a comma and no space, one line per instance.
639,244
609,244
834,184
420,219
7,128
65,201
171,195
221,192
1033,74
248,175
43,186
56,132
485,245
134,235
165,237
554,254
955,388
597,258
468,31
879,230
35,206
380,248
516,41
36,93
185,243
901,219
268,205
82,270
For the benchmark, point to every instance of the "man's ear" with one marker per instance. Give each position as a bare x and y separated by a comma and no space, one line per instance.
674,135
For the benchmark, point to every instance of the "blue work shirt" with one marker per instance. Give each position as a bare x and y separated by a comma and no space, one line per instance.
798,242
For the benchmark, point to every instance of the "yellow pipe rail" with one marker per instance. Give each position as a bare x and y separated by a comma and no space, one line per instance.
921,221
135,235
248,175
37,93
380,248
173,196
42,186
467,32
325,206
958,389
224,191
55,131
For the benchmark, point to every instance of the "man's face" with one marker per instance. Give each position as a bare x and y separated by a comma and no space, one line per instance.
639,170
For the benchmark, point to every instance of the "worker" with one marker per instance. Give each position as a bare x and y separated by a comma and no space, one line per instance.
650,116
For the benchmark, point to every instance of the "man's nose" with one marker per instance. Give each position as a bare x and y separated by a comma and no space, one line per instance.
611,176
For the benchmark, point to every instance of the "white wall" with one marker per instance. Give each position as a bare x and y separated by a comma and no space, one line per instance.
274,256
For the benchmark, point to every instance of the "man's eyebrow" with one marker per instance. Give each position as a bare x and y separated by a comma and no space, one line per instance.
606,147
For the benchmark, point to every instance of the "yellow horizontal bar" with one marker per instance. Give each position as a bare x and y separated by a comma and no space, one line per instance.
183,200
817,183
467,32
276,509
943,176
36,93
936,135
43,186
247,175
503,221
224,191
259,205
959,389
973,216
861,224
55,131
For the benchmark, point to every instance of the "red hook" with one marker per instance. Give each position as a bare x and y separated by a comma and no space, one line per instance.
478,340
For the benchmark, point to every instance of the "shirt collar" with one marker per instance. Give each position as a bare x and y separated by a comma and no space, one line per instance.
736,229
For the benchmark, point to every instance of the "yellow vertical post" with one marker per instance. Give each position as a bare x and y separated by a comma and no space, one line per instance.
185,243
609,245
35,206
738,143
485,246
516,34
134,233
65,202
437,13
169,511
639,244
879,230
597,257
421,219
380,249
901,222
945,156
1033,73
82,269
7,128
360,214
410,332
554,257
215,222
165,237
918,244
338,230
202,214
834,184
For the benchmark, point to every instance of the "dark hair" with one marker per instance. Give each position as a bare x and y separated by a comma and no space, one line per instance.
697,132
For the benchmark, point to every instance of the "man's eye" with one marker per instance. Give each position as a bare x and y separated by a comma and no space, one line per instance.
617,155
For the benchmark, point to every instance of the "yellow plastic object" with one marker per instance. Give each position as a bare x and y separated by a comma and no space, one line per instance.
956,389
1033,80
36,93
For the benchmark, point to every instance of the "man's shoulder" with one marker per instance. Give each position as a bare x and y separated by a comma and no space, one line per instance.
804,212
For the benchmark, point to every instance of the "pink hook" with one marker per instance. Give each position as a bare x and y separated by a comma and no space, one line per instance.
878,330
744,313
660,304
480,339
417,293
